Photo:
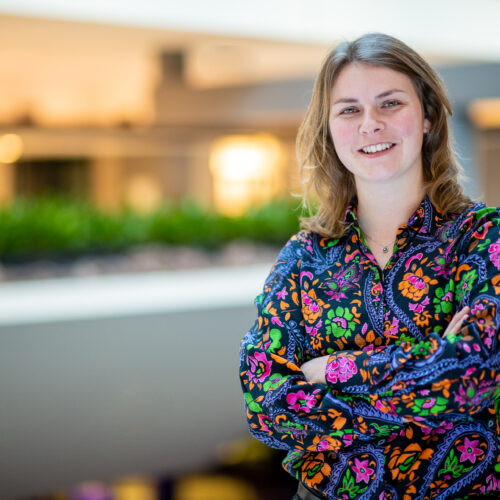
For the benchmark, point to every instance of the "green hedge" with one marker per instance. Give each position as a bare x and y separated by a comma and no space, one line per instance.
59,227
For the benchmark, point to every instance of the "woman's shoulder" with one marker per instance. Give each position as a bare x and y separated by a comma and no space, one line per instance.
478,215
310,243
476,229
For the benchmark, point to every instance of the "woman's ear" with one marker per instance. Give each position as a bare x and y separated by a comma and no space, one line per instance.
427,125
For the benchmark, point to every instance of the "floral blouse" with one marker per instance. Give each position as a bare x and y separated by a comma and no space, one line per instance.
405,413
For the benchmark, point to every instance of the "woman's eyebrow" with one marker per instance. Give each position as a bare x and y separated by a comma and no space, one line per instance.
389,92
351,100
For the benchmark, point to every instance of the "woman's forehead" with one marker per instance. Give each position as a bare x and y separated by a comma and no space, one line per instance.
368,80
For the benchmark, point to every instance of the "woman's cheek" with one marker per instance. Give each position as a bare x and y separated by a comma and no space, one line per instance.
342,137
407,124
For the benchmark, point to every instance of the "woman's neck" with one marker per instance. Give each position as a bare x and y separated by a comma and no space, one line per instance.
382,211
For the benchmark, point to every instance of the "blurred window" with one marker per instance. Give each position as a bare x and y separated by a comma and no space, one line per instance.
58,176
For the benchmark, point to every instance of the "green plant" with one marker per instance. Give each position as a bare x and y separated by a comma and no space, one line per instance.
55,226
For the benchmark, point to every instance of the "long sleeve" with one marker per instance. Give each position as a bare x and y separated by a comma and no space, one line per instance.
283,409
440,378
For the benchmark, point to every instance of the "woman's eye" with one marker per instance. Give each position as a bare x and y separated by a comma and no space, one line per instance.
348,111
391,104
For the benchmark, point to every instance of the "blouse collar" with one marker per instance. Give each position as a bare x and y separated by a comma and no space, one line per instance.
420,220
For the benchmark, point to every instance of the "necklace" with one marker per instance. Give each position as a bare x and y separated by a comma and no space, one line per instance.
385,248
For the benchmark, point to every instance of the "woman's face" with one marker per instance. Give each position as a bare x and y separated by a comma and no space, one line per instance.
377,124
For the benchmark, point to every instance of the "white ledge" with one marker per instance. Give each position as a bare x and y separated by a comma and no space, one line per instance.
66,299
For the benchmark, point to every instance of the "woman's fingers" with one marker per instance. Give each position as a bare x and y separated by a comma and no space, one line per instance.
314,369
457,320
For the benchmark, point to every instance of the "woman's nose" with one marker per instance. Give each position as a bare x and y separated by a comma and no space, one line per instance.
371,123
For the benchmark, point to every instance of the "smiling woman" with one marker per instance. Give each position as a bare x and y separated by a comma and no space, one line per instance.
376,136
375,354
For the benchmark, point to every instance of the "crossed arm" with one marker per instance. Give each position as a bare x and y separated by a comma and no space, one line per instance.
315,369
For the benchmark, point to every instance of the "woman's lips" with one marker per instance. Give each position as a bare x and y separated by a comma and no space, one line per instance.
375,150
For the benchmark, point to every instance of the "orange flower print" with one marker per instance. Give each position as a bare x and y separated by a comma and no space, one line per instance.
405,462
495,281
325,443
485,312
415,285
339,420
312,307
391,328
410,493
314,469
422,319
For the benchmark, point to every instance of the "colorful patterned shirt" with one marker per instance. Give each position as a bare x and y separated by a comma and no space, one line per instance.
405,413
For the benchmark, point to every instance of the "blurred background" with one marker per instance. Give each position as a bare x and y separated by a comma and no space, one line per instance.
147,182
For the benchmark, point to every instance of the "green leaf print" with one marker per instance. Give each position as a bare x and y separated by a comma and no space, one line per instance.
275,381
252,405
348,485
443,302
339,323
428,406
452,466
422,348
275,335
465,284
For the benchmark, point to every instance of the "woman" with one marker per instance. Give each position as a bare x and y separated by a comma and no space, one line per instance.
374,358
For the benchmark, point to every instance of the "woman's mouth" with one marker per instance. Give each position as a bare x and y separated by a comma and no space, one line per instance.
377,148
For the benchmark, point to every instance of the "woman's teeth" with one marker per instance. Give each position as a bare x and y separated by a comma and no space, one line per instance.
377,147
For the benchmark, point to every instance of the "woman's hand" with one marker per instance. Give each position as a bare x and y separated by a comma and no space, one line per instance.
314,370
456,322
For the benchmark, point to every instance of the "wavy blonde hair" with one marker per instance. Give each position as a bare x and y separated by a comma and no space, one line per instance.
323,175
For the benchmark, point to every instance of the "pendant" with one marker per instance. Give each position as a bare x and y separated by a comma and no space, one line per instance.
385,249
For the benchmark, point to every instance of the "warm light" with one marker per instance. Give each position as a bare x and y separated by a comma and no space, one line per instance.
246,171
11,148
143,193
205,487
134,489
485,113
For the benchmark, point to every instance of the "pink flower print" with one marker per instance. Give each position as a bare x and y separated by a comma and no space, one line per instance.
420,308
474,394
310,303
386,407
276,321
300,401
340,369
394,326
281,295
260,367
311,330
493,484
377,289
469,450
416,281
322,445
363,472
263,421
347,439
429,403
476,309
494,251
443,427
